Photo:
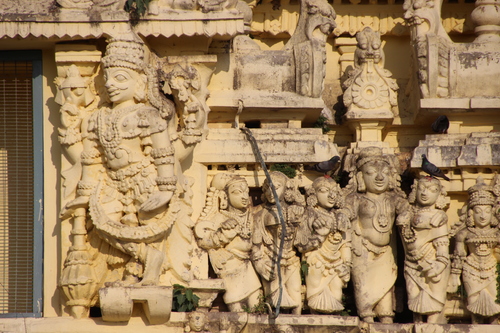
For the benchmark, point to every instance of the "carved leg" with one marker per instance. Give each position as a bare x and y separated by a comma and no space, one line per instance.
254,298
384,308
436,318
153,263
494,320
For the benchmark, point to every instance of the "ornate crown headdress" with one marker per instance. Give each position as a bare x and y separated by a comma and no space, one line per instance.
481,194
125,50
371,154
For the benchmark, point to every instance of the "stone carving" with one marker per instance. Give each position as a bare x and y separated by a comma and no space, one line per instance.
325,241
424,18
315,23
475,257
369,86
267,239
184,82
138,203
299,67
374,201
426,243
225,231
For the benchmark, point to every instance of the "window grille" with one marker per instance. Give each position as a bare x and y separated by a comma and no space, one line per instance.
20,200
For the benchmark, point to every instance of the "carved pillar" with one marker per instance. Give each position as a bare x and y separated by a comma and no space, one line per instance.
76,66
486,17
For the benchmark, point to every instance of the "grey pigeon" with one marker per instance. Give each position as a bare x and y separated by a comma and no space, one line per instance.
325,166
431,169
441,124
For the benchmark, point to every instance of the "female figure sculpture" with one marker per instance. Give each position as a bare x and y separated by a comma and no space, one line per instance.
128,166
267,239
325,241
475,255
372,206
225,232
426,243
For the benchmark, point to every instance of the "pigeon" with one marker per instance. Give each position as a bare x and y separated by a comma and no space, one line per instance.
325,166
431,169
441,124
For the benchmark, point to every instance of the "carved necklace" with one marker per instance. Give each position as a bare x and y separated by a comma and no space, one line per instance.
380,219
109,134
244,228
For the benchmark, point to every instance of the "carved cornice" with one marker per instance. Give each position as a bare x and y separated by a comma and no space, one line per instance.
386,19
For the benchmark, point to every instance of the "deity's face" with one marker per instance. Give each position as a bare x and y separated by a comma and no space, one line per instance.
238,195
326,195
122,84
280,190
376,176
427,192
482,215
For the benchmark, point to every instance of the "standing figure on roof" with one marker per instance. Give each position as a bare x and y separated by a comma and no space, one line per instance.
267,239
426,243
476,254
225,231
325,241
373,205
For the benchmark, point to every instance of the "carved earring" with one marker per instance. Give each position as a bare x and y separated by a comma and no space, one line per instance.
361,182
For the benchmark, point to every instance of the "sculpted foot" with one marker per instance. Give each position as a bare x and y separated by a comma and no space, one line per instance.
386,320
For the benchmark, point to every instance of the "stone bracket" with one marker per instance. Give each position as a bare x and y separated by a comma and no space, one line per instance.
117,303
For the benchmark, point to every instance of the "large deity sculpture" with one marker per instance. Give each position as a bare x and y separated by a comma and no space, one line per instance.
475,255
225,232
325,242
373,204
267,240
128,180
426,243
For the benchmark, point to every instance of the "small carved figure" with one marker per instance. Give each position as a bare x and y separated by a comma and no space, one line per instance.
475,257
225,232
267,239
373,204
426,243
128,165
198,322
325,242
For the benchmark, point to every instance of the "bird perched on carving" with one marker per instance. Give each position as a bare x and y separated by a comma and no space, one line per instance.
325,166
441,124
431,169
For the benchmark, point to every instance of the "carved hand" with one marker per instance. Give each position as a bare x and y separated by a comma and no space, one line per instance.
157,200
454,283
435,272
70,207
343,223
264,267
321,227
229,224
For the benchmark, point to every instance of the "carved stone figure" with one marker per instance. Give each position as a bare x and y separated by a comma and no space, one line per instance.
128,178
369,86
475,257
225,232
427,260
373,204
267,241
325,241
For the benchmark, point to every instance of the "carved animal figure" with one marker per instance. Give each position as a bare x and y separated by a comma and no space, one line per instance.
432,169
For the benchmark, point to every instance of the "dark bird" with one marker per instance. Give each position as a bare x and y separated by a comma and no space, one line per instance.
440,125
431,169
325,166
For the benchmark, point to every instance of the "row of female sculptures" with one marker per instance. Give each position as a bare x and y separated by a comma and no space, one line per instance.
345,234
